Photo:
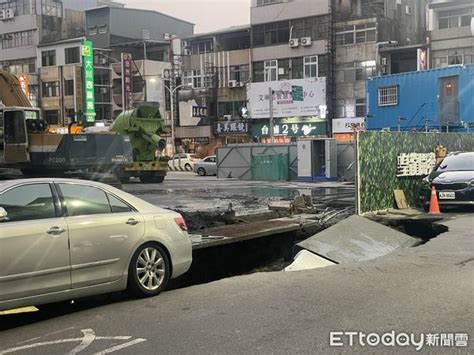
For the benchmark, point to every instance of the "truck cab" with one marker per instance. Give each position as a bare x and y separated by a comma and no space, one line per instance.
15,123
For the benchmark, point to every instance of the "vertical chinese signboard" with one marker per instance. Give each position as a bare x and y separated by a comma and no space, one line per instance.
24,82
127,81
87,53
422,62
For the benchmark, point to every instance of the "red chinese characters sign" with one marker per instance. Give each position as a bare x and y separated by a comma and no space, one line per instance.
127,98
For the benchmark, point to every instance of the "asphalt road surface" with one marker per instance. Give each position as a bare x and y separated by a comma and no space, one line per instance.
424,290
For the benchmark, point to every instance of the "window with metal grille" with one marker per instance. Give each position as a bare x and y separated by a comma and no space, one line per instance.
455,18
68,87
311,66
351,34
48,58
72,55
388,96
271,70
360,108
50,88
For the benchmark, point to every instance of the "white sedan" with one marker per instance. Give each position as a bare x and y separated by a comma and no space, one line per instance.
62,239
182,161
206,166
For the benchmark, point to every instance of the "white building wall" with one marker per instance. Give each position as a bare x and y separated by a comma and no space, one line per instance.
286,10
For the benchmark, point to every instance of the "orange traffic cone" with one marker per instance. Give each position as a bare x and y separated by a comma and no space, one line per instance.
434,205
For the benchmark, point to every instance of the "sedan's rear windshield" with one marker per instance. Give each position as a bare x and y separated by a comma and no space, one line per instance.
461,162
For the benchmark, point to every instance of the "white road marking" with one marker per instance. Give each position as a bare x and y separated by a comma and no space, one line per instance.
89,337
121,346
35,345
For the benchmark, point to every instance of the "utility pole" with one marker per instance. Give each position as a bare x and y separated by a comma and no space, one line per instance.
144,65
172,93
270,99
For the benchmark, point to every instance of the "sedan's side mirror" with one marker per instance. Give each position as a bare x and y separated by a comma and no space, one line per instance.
3,214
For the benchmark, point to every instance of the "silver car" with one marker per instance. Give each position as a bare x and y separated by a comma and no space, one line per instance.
62,239
206,166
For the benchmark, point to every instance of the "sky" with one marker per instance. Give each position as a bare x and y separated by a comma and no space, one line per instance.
208,15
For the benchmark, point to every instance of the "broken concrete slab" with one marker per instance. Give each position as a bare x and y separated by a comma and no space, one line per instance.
355,239
305,260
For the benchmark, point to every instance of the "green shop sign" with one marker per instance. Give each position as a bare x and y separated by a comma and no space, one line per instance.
88,55
289,129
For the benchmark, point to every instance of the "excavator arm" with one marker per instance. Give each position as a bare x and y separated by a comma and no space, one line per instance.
11,93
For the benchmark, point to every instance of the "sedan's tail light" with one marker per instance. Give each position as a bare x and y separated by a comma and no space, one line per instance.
181,223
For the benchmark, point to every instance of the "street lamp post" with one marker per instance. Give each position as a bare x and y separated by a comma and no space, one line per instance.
172,92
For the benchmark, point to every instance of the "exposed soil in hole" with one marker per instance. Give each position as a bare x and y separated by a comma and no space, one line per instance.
424,229
257,255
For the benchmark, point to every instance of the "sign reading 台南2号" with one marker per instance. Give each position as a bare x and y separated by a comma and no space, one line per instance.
127,98
299,129
231,128
415,164
291,98
87,53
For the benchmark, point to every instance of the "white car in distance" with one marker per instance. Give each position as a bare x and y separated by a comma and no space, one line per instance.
206,166
182,161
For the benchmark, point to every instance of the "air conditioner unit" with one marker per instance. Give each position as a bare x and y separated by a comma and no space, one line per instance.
294,42
232,83
103,61
306,41
240,84
228,117
408,10
103,90
7,14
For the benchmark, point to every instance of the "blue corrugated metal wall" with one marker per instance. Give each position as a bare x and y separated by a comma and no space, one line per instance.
418,99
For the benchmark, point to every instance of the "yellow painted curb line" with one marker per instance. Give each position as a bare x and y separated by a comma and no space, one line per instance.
19,310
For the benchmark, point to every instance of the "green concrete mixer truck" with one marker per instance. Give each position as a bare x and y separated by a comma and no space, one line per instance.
145,128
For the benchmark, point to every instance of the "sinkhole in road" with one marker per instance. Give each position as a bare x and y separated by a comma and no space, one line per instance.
268,254
424,229
276,252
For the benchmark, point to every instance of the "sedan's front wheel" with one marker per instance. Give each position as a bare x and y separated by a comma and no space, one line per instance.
149,271
201,171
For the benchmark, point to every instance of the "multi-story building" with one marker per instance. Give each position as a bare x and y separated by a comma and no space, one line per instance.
24,24
451,32
145,35
366,34
291,46
60,73
212,104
